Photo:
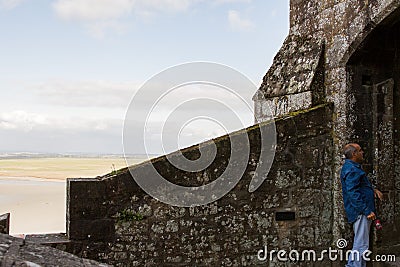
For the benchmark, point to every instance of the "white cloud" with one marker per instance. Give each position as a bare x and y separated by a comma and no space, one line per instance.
51,132
20,120
238,23
98,16
86,93
92,10
102,16
9,4
27,121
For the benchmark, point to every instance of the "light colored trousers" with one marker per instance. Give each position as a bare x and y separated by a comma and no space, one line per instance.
361,229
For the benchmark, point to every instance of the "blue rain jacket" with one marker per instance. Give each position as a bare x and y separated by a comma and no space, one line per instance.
358,193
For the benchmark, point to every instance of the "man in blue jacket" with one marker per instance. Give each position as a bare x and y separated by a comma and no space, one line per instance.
359,201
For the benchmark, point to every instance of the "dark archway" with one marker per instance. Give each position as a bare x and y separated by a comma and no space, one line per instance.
374,111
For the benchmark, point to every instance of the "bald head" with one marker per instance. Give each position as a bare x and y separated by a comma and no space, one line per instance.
353,152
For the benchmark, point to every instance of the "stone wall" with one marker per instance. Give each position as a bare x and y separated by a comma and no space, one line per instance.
292,83
112,220
343,26
19,252
5,223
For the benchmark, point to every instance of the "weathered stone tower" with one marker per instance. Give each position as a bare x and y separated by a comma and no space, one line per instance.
346,52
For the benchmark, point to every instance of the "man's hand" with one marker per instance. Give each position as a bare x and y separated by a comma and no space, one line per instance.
378,194
371,216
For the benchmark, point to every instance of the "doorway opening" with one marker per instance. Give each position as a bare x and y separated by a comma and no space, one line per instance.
374,109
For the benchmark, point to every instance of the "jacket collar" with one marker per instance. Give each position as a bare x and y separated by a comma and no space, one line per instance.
356,164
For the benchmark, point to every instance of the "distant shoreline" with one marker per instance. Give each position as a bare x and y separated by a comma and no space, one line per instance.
33,189
17,179
29,155
61,168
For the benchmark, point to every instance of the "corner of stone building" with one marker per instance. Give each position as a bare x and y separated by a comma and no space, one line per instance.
5,223
293,82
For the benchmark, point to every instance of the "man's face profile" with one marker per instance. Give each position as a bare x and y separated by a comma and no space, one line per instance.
358,155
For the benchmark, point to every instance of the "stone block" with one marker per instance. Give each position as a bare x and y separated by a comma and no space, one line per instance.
92,230
5,223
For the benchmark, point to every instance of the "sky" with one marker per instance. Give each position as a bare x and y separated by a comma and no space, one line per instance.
70,68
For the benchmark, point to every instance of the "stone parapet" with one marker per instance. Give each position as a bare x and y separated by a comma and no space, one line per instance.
5,223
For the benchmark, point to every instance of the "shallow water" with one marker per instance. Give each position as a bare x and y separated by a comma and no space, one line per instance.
34,190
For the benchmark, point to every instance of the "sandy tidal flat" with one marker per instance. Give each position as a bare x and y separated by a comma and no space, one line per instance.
34,190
